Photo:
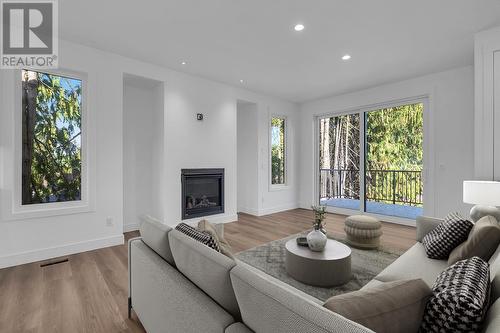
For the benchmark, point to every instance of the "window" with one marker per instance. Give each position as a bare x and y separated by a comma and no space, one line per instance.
278,151
51,138
372,160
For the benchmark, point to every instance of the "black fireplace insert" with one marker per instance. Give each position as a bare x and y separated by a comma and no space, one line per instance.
202,192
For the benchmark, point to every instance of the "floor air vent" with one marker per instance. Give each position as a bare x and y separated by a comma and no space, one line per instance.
55,262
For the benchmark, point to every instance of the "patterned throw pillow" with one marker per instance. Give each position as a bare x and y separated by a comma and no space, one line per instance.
460,300
202,237
439,242
222,243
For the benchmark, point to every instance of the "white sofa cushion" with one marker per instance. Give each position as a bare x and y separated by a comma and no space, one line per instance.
268,307
206,268
166,301
492,321
495,275
155,235
413,264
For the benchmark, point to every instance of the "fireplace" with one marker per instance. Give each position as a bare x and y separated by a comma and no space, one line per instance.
202,192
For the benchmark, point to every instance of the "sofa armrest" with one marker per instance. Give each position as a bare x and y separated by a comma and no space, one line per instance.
165,300
129,262
269,307
426,224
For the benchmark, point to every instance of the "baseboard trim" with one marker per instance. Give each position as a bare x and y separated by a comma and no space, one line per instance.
225,218
277,209
58,251
131,227
249,211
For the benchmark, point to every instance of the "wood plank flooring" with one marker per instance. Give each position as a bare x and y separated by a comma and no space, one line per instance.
88,293
251,231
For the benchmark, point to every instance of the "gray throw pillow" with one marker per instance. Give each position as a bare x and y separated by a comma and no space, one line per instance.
389,307
224,246
482,242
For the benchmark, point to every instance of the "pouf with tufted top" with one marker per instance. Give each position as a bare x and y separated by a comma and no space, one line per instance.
363,231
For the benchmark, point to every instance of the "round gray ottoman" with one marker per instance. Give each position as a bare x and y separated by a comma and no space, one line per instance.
363,231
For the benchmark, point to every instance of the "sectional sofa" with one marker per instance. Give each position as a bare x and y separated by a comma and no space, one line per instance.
180,285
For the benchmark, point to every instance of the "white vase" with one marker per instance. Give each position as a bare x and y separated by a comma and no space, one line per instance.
316,240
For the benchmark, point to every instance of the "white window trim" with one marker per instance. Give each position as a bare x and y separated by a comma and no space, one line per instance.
286,185
428,158
87,202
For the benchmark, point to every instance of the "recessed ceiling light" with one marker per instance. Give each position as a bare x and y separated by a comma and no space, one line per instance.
299,27
241,81
346,57
183,63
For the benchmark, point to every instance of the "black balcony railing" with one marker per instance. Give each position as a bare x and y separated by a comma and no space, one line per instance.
389,186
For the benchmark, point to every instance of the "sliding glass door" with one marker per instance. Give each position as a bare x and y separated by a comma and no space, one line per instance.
374,165
339,161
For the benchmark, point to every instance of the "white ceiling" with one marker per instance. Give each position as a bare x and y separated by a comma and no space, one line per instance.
253,40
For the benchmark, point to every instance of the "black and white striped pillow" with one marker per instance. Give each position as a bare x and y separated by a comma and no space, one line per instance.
200,236
460,298
440,241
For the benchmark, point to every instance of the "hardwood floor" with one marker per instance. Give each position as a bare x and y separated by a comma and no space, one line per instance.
251,231
88,293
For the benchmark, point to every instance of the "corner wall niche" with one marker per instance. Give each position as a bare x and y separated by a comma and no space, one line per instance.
143,134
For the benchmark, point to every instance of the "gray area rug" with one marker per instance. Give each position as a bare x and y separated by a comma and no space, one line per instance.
366,264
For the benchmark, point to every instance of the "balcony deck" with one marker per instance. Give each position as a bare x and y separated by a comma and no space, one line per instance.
399,210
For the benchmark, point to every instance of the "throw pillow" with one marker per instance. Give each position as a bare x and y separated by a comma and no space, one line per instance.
460,300
396,306
482,242
201,237
440,241
207,227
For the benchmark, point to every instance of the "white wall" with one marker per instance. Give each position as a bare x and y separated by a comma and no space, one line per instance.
260,199
487,104
248,163
187,143
158,148
451,134
287,197
141,154
30,239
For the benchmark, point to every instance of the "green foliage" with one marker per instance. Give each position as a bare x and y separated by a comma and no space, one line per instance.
55,138
394,138
394,141
339,151
278,151
394,155
319,216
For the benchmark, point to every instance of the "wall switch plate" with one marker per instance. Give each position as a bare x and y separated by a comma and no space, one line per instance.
109,221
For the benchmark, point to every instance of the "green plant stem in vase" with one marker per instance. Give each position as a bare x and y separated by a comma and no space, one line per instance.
319,216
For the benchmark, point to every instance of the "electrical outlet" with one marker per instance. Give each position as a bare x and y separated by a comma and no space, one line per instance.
109,221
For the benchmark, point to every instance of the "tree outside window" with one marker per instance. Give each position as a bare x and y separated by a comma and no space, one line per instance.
51,138
278,151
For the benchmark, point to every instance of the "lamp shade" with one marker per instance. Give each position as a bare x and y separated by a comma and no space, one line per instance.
482,192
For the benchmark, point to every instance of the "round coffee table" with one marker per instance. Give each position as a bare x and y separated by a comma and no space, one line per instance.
332,267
